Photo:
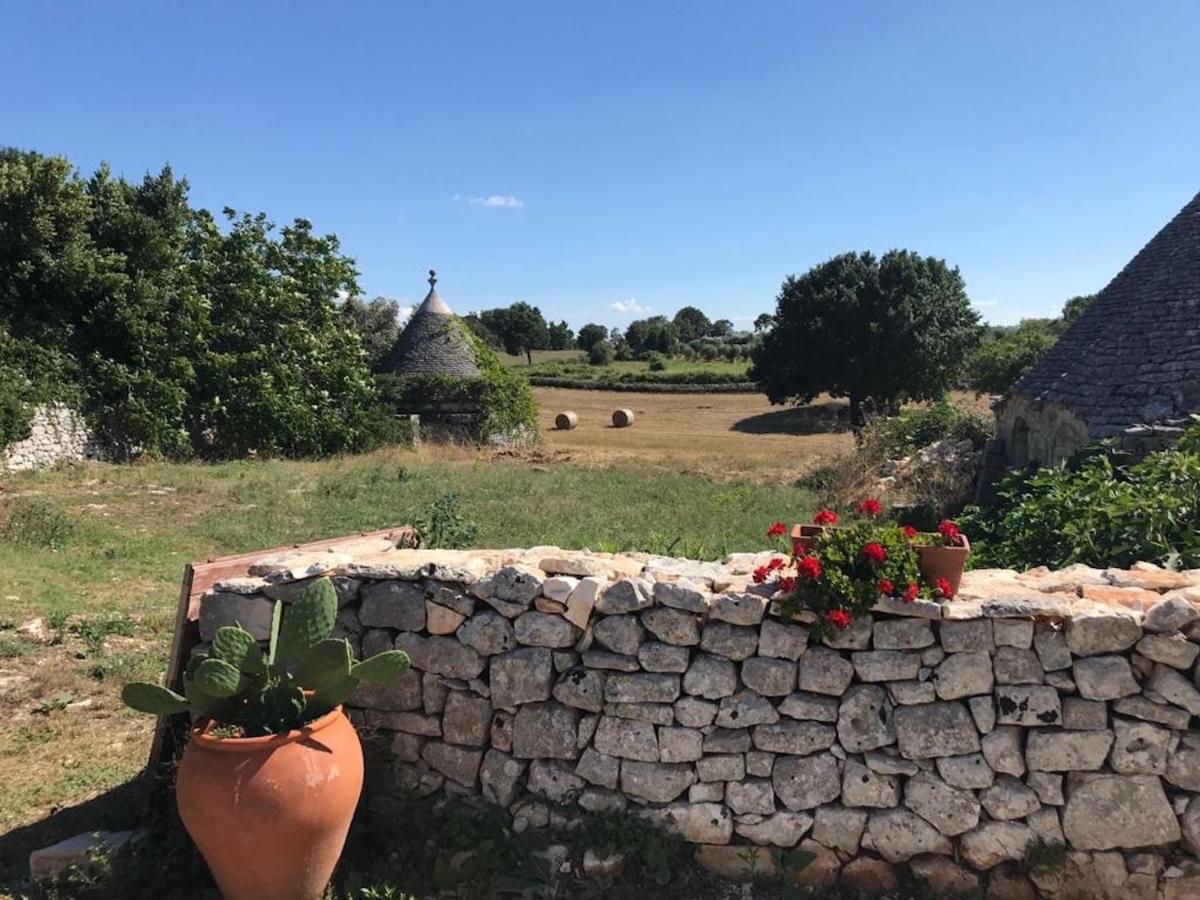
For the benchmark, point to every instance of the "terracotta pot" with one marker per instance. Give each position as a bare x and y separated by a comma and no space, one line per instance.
804,538
937,561
270,814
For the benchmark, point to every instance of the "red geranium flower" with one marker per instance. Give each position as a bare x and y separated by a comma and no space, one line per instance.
760,574
874,553
943,587
775,563
776,529
870,507
885,587
825,517
950,533
809,567
787,584
838,618
909,531
910,592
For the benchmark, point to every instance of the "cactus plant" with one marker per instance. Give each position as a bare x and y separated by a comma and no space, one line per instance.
303,674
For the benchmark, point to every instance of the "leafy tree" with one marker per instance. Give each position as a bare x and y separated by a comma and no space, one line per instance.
763,322
1074,307
590,335
377,324
721,328
560,336
283,374
690,324
521,328
886,329
656,333
180,338
481,331
1007,353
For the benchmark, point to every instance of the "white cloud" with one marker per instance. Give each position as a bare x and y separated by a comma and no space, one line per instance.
628,307
403,314
497,201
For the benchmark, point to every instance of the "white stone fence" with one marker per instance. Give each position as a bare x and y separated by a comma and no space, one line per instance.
948,739
57,434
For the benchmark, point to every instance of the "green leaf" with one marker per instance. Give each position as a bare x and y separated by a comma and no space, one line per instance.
307,621
153,698
331,696
204,705
279,707
236,646
217,678
325,665
273,642
382,666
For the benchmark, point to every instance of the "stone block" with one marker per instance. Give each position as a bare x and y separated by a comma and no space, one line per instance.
935,729
806,782
782,641
521,676
746,709
823,671
393,604
1028,705
545,731
627,739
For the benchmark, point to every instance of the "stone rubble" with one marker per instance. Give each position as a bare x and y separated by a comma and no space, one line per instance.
1052,706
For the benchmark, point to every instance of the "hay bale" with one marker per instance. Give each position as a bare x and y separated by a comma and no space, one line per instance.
565,421
622,418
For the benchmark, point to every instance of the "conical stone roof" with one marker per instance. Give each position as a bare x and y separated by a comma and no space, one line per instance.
1133,356
432,343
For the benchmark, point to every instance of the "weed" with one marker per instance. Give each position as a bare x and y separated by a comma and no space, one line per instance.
443,526
92,630
36,523
56,703
13,647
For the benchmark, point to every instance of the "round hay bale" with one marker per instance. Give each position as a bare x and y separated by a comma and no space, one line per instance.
622,418
565,421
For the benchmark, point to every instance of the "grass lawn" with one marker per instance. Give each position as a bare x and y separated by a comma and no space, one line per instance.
547,362
97,552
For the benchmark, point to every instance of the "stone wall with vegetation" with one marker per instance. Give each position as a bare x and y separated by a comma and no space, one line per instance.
1034,735
57,433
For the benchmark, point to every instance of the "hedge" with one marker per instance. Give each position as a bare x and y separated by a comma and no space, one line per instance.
643,387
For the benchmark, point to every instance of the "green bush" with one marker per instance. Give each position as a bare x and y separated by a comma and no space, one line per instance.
915,428
656,362
1100,510
1002,358
600,354
15,412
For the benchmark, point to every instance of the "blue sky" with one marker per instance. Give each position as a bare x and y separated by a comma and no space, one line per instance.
642,156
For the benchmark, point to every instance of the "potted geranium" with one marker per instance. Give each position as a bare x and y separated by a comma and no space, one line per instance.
944,555
270,778
840,573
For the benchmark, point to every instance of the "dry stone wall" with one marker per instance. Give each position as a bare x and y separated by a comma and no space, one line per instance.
1052,707
57,433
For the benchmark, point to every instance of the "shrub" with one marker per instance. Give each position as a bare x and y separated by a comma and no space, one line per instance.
656,362
15,412
915,428
1100,510
600,354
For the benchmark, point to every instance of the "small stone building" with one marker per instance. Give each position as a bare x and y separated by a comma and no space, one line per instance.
429,344
1128,368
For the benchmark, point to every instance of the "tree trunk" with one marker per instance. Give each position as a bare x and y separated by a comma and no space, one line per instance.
856,412
529,356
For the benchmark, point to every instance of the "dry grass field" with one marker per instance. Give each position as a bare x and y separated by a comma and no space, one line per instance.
722,436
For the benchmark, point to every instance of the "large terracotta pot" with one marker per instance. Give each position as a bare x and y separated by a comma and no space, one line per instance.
270,814
937,561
